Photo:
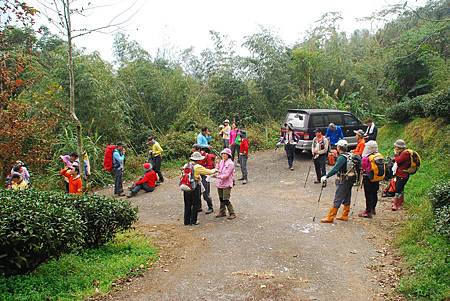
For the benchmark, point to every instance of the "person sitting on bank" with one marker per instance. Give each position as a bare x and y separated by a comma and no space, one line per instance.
17,182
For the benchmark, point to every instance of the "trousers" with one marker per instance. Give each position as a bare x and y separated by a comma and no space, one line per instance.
343,194
191,205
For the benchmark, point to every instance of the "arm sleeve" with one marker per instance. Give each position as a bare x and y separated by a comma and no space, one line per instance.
143,180
118,157
203,171
340,162
64,173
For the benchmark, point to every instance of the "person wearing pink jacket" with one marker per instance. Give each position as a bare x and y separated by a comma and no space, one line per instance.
224,183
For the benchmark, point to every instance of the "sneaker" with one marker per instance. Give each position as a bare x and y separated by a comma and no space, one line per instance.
244,182
221,215
196,223
292,168
233,216
209,211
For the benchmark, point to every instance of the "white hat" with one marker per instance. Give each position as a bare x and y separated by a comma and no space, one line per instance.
196,156
226,121
342,142
371,147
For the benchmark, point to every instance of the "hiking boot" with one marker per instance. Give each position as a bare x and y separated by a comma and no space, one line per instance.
345,212
330,216
241,179
317,182
209,211
365,214
232,216
244,182
230,208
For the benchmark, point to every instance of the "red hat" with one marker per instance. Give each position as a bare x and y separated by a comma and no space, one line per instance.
147,166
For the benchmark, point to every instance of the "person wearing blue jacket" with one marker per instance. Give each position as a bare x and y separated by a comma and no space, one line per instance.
118,168
204,138
334,134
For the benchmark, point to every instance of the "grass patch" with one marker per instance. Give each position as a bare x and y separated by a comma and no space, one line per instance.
426,252
76,276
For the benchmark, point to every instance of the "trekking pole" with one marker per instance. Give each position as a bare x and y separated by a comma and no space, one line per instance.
307,176
215,151
324,184
356,196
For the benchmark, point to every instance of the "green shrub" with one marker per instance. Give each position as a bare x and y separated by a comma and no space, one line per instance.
37,225
439,105
32,230
443,220
440,195
406,110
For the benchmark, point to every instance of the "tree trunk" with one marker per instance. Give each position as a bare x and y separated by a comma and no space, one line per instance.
72,88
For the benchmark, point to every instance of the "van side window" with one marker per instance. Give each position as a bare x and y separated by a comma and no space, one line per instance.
335,118
350,120
317,121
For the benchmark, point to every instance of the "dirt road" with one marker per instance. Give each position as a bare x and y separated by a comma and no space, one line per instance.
272,251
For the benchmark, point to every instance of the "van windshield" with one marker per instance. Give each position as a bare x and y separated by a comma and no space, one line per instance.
297,120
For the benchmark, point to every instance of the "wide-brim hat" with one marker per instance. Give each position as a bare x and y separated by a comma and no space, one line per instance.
370,147
359,132
196,156
226,151
400,143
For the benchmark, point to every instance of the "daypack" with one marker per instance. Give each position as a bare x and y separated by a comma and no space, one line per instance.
187,179
353,165
389,191
108,158
378,167
389,165
415,162
332,155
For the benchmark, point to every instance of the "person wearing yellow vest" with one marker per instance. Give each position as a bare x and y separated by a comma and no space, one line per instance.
155,156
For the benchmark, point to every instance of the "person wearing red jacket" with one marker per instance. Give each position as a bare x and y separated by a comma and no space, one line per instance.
208,163
243,156
403,160
147,182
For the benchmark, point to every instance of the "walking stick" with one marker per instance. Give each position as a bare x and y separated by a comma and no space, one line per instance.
324,184
307,176
356,196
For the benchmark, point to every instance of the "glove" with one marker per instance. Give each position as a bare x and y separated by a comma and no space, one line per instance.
278,144
394,168
323,179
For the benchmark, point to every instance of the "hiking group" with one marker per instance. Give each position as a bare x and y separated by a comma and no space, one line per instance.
364,167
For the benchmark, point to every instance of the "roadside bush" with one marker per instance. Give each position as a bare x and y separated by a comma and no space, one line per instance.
37,225
439,105
440,195
32,230
263,136
406,110
443,220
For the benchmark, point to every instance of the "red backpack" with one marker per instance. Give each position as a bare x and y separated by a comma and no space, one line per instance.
187,180
108,158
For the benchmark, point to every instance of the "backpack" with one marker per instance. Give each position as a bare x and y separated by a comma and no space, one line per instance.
389,191
378,167
389,174
187,179
332,155
353,165
415,162
108,158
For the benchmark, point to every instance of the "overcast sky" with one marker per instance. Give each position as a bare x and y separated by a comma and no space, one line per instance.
180,24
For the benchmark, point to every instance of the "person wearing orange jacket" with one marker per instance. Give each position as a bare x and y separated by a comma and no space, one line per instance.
73,176
243,156
361,143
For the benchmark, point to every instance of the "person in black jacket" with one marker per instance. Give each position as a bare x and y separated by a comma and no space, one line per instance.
371,132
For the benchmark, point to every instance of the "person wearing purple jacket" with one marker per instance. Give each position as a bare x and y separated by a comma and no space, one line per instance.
224,183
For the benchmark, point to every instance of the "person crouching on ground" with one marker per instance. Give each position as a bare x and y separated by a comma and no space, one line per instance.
192,199
208,163
289,138
370,187
147,182
224,183
243,156
344,184
74,178
17,182
403,161
319,150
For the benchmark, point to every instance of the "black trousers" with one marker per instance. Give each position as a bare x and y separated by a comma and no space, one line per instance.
207,193
157,167
118,181
290,152
191,205
371,193
319,165
400,184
